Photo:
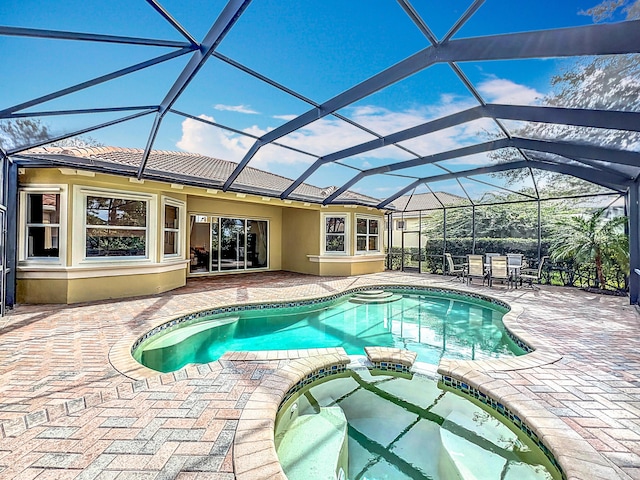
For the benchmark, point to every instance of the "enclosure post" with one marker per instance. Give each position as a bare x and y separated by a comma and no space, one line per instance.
420,241
633,197
539,233
473,230
402,245
389,241
11,238
444,237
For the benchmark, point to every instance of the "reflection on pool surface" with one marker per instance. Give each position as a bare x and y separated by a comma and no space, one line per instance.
388,427
433,326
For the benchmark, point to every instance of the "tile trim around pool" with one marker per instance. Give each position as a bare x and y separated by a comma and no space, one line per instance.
230,309
121,353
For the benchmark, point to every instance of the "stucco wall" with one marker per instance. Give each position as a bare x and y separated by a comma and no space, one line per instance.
302,238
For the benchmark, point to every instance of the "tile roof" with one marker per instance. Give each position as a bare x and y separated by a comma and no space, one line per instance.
428,201
187,168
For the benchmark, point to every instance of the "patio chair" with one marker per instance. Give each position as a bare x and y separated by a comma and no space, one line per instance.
515,262
499,270
531,274
475,268
453,269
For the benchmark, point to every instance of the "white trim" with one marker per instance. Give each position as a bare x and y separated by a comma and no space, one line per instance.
323,233
59,189
346,259
79,226
180,231
95,271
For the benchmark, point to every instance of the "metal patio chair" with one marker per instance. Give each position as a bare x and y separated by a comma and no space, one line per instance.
499,270
453,269
530,274
475,268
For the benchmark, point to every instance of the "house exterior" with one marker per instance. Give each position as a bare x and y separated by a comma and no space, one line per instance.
89,229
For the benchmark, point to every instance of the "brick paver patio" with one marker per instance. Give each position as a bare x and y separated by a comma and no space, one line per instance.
67,413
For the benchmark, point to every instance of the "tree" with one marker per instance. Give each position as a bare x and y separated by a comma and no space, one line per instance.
603,82
23,132
592,239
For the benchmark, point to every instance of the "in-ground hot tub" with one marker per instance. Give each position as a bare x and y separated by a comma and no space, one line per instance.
365,424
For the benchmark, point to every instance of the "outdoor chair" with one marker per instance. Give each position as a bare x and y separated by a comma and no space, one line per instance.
531,274
515,262
475,268
499,270
457,270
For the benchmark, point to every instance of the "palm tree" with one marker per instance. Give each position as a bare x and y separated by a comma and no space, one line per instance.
592,239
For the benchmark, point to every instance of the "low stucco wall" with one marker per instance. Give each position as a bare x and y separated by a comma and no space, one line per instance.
97,288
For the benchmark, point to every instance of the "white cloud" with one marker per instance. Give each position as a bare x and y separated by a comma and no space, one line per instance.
198,137
330,134
285,117
500,90
235,108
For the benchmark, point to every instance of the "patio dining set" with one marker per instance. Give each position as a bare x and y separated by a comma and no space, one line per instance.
511,269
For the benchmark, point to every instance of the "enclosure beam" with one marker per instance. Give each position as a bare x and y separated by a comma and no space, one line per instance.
559,148
634,242
91,37
219,29
602,39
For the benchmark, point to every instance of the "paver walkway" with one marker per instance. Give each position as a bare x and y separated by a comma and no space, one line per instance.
67,413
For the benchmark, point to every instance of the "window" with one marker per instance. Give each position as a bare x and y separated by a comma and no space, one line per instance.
335,234
172,219
42,225
115,227
367,234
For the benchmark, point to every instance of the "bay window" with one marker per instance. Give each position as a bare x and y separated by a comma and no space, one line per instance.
172,213
42,225
335,239
116,226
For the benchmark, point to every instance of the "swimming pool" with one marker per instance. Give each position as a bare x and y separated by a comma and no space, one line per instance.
434,324
371,425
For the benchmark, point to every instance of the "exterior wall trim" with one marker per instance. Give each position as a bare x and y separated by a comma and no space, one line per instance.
345,259
94,271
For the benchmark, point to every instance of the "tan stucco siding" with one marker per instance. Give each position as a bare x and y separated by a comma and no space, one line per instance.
301,238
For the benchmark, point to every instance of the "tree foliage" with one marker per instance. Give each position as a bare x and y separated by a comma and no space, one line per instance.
24,132
604,82
592,239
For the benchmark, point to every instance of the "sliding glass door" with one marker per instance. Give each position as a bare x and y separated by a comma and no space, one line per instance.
232,245
220,244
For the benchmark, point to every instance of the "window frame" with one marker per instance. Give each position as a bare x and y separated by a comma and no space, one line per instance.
23,237
179,231
345,234
368,235
80,195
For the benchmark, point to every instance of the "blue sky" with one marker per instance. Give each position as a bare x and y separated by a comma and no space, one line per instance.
318,49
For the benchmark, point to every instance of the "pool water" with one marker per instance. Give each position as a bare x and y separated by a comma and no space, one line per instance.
400,428
432,326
